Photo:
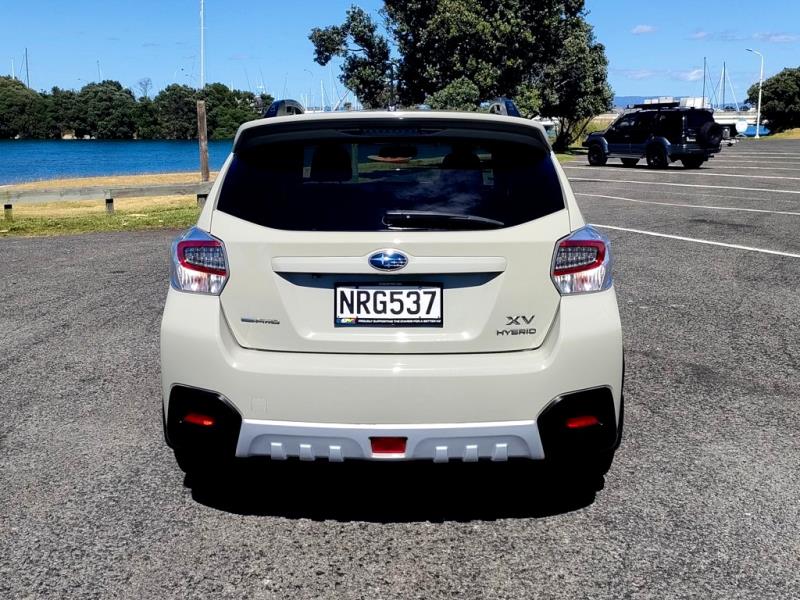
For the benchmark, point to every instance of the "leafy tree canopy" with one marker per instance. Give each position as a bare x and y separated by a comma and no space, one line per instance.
780,99
107,110
366,68
22,111
542,53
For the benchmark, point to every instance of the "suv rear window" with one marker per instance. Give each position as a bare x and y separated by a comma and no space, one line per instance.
389,184
695,119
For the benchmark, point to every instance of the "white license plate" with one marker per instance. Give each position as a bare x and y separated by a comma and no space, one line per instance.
388,305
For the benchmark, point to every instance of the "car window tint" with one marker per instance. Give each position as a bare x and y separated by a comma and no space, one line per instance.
696,119
331,186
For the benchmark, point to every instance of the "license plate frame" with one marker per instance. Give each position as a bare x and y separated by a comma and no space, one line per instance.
389,321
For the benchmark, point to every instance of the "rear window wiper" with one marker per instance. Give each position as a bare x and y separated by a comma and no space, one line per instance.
423,219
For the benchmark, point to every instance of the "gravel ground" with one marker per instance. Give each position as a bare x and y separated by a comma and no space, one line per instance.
702,501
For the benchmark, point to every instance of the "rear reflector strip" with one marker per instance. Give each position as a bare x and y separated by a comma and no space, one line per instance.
582,422
198,419
388,445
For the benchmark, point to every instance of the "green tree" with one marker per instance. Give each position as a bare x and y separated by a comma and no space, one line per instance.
540,52
176,112
146,117
573,86
461,94
227,109
367,69
23,112
62,112
780,99
107,111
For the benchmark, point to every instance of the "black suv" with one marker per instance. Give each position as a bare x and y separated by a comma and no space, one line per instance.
660,133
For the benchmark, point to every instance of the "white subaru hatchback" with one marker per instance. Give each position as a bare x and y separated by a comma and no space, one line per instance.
392,286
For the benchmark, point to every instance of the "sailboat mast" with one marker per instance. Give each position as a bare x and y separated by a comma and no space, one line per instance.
704,82
723,85
27,70
202,44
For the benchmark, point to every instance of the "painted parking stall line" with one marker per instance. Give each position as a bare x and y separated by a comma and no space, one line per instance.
699,241
724,165
685,185
683,172
697,206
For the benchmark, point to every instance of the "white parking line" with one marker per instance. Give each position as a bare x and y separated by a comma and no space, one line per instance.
689,185
699,241
704,173
700,206
723,163
742,153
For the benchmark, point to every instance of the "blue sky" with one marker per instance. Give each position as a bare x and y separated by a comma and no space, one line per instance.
653,48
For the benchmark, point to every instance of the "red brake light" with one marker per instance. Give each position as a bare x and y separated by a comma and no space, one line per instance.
582,262
574,256
199,263
204,256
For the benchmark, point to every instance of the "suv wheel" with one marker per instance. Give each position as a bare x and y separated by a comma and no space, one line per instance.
630,162
597,158
657,157
692,163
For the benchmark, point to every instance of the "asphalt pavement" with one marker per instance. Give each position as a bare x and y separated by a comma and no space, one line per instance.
703,500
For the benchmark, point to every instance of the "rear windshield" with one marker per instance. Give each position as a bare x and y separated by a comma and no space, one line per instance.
696,119
377,185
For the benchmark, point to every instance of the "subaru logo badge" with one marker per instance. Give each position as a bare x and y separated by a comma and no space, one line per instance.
388,260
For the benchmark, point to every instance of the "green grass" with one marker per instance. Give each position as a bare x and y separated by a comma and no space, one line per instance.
570,154
171,217
789,134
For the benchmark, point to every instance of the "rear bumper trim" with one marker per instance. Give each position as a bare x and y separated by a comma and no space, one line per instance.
335,442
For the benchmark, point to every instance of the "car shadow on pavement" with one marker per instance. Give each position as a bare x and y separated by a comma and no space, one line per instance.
392,492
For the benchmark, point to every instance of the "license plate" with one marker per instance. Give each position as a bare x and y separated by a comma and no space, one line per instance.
388,305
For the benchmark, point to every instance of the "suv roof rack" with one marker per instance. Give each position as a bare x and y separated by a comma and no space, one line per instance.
657,105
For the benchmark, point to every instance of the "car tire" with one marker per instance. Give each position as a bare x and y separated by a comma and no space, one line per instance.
596,156
657,157
630,162
692,163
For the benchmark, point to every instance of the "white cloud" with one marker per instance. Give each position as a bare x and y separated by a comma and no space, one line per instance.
637,73
640,29
691,75
699,35
776,38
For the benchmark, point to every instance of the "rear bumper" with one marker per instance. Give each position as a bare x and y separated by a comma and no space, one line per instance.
468,442
476,406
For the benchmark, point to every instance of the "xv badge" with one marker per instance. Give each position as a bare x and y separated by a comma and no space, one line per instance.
516,320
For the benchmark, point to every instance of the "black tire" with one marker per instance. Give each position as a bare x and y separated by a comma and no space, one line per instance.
710,134
596,156
657,157
692,163
630,162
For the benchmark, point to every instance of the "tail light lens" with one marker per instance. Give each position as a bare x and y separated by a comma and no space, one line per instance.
582,262
199,264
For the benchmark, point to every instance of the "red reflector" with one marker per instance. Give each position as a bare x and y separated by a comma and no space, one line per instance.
198,419
582,421
388,445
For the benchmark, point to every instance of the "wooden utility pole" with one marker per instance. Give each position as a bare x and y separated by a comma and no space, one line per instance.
202,138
